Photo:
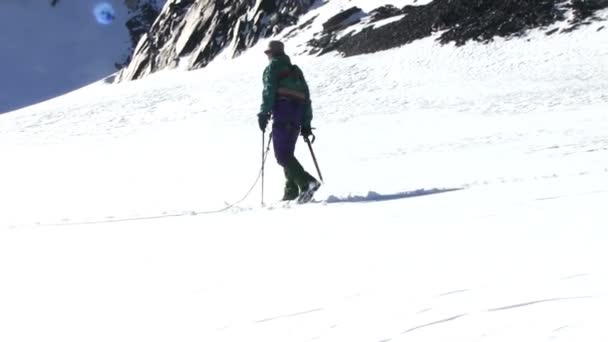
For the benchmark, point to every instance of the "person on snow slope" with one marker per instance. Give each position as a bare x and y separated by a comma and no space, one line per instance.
286,99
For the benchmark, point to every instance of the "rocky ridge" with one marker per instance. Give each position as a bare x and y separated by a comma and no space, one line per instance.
457,21
191,33
195,32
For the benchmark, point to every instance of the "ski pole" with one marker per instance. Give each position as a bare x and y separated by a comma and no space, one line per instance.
314,159
263,162
264,155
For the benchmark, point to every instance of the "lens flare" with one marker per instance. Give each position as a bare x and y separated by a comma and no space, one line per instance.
104,13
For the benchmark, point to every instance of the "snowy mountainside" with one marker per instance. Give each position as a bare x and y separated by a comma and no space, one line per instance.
493,81
191,34
464,200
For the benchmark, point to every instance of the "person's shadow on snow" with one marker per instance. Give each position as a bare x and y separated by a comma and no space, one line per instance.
376,197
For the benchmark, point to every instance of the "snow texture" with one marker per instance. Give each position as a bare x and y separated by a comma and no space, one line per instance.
464,201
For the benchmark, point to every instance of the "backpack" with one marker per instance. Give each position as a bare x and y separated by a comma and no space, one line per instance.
293,79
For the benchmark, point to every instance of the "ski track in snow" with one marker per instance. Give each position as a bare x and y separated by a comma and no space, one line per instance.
464,201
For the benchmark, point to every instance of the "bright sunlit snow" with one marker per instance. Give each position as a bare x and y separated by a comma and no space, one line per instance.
465,200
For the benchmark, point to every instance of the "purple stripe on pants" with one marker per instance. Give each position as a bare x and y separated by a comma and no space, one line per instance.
287,118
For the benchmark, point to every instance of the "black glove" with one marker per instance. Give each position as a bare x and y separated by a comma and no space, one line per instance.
306,132
263,119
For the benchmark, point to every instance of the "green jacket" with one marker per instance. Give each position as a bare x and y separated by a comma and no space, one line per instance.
280,76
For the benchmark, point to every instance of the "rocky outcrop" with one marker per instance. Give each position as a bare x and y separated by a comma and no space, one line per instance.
191,33
327,40
585,9
343,19
142,14
459,21
584,12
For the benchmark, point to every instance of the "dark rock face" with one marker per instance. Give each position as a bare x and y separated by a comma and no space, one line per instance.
461,21
327,40
584,9
142,15
483,20
584,12
343,19
194,32
384,12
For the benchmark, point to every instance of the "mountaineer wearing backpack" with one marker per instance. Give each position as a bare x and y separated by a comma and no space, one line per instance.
286,98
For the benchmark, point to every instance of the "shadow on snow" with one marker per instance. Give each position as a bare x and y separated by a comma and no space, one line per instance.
376,197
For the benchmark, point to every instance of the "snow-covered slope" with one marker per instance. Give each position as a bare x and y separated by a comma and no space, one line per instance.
50,50
191,34
464,201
